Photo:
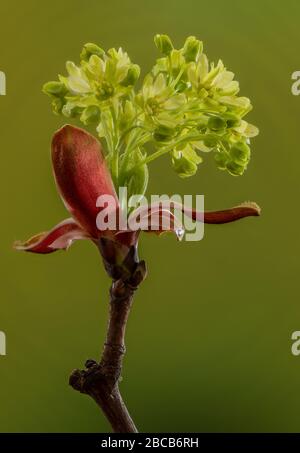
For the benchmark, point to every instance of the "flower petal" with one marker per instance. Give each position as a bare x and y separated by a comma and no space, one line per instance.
59,238
81,175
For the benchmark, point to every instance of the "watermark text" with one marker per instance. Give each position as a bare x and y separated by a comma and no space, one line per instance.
295,89
182,215
2,84
2,343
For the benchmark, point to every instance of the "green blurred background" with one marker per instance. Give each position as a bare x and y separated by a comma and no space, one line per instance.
209,336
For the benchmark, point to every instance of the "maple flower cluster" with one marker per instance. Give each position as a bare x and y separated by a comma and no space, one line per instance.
185,107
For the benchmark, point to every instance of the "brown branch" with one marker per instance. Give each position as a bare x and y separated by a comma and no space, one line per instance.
101,380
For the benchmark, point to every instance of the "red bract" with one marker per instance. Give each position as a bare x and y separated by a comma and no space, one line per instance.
82,175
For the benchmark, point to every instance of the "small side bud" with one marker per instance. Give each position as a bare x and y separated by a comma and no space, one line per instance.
192,48
57,105
163,133
132,76
72,111
210,142
185,162
91,114
232,120
183,167
235,169
240,153
221,160
90,49
215,123
163,43
56,89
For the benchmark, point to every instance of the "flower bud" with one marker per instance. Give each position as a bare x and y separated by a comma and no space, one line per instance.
90,49
177,62
183,167
215,123
163,43
235,169
240,153
221,160
232,120
56,89
132,76
181,86
163,133
57,105
128,115
210,142
91,114
185,162
138,180
192,48
71,110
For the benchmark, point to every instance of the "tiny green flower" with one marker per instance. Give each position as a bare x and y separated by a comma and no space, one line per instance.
57,106
216,123
185,161
240,153
192,48
56,89
163,43
132,75
221,159
235,169
71,110
90,115
90,49
164,133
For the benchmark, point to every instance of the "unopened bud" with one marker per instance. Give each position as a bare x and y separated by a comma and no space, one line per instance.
72,111
91,114
163,133
57,89
132,76
57,105
232,120
221,160
183,166
215,123
192,48
235,169
163,43
210,142
90,49
240,153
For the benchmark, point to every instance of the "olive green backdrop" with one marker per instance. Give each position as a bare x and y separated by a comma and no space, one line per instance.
209,336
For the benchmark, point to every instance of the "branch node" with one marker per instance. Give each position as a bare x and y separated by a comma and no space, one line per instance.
90,363
76,380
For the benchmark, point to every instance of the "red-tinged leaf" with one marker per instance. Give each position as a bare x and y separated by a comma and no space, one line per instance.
158,217
246,209
59,238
